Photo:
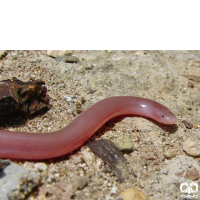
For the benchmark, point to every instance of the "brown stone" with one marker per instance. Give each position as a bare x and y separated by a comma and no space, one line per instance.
192,174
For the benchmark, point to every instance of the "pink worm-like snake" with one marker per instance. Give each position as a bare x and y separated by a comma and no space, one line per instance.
35,146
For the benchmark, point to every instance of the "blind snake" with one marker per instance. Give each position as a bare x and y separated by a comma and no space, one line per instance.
35,146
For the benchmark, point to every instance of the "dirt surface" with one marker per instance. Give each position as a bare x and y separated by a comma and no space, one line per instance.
158,164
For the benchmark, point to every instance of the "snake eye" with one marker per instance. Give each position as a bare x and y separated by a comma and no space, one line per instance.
163,116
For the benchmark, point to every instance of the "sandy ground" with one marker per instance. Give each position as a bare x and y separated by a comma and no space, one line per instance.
156,75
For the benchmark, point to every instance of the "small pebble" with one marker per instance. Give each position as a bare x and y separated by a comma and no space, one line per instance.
57,175
191,148
132,193
77,160
40,166
2,53
170,153
124,143
79,182
114,190
88,157
190,85
4,164
180,173
55,53
89,66
196,126
92,91
187,124
79,194
192,174
67,59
